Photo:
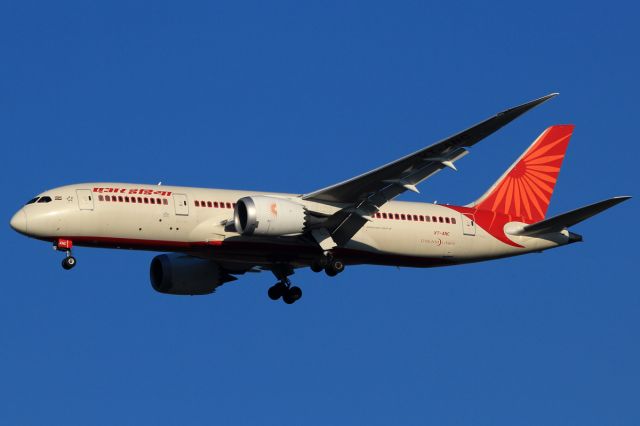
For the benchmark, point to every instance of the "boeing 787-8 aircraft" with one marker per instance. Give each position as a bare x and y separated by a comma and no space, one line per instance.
213,235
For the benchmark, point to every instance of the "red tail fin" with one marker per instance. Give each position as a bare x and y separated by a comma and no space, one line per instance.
525,189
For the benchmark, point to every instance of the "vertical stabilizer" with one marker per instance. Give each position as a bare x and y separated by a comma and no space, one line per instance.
524,190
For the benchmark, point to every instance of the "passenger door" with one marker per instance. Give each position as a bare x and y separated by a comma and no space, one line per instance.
181,204
85,199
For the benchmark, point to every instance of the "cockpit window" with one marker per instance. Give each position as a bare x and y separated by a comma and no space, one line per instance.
31,201
44,200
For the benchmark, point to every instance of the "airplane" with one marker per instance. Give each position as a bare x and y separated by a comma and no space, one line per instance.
214,235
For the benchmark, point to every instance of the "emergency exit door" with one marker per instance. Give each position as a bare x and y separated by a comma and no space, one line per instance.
468,225
181,204
85,199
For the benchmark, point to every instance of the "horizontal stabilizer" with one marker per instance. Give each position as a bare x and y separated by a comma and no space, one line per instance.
565,220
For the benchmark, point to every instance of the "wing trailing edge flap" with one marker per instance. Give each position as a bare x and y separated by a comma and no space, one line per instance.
323,238
344,224
565,220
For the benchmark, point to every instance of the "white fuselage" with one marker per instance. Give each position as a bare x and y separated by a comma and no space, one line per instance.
197,221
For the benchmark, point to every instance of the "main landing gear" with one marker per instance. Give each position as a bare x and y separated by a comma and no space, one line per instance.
283,288
330,265
65,245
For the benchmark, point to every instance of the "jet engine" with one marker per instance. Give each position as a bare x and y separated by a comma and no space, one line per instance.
187,275
269,216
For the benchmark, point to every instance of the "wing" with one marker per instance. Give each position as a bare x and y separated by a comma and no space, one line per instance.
366,193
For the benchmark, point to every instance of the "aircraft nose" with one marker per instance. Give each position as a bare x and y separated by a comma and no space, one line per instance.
19,222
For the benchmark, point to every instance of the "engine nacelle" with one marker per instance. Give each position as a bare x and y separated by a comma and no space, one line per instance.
268,216
182,274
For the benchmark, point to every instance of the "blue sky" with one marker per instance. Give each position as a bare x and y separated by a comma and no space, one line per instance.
293,97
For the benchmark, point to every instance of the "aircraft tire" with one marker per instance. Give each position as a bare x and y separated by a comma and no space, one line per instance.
292,295
334,267
316,266
68,262
276,291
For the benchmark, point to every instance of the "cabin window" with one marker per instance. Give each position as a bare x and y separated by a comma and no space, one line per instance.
427,219
453,220
440,219
446,219
107,197
197,203
409,217
126,199
139,199
165,202
209,204
422,218
146,200
434,219
133,199
158,201
100,197
228,205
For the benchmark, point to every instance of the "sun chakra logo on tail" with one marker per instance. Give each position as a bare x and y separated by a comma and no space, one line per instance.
525,191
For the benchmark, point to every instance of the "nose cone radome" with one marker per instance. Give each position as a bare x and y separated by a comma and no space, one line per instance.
19,222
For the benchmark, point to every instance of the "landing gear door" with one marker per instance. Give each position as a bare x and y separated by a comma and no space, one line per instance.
468,225
85,199
181,204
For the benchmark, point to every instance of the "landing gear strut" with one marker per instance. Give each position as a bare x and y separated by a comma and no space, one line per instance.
65,245
283,288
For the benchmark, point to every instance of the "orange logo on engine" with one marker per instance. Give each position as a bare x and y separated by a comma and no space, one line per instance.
274,209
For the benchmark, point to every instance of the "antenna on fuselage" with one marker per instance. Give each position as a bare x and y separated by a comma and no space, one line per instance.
160,183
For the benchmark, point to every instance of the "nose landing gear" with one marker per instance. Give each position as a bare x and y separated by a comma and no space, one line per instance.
65,245
68,262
